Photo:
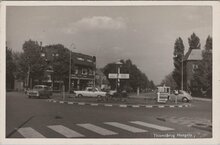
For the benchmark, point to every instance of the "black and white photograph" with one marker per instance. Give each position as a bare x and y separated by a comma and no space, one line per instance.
109,71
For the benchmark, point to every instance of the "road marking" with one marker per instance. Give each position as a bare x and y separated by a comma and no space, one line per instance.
69,102
61,102
161,106
148,106
152,125
94,104
29,132
81,103
172,106
135,106
97,129
125,127
180,106
108,105
65,131
122,105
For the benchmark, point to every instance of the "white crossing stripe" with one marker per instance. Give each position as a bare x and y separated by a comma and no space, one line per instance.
125,127
81,103
94,104
97,129
29,132
123,105
108,105
65,131
152,125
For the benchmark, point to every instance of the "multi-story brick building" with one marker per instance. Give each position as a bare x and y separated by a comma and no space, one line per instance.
82,71
192,59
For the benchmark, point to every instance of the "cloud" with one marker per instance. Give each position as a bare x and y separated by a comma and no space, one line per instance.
96,23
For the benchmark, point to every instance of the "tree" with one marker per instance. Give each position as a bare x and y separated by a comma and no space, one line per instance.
178,60
137,78
10,69
203,75
194,42
60,62
32,64
169,81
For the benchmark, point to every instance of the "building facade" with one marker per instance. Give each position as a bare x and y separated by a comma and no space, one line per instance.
82,72
192,61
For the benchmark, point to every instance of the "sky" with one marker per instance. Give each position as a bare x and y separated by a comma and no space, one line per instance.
144,34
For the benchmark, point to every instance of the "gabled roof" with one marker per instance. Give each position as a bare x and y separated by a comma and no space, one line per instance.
193,54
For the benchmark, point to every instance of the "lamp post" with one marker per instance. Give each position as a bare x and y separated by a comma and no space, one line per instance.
70,65
182,73
181,70
118,64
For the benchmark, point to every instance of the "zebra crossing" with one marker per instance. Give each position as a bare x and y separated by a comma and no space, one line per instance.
116,129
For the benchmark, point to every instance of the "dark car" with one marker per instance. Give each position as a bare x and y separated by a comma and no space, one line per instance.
40,91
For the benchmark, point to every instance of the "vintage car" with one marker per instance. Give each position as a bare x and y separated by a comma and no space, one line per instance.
180,95
90,92
40,91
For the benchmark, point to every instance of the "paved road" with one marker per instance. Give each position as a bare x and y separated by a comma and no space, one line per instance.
28,118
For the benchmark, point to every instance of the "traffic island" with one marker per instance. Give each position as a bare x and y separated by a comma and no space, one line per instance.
122,103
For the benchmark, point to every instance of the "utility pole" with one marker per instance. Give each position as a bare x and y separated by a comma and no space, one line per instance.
182,74
70,66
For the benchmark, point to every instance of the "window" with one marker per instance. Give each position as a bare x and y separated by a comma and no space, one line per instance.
194,67
90,71
76,70
84,71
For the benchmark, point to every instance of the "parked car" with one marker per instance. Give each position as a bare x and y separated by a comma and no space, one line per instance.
181,96
90,92
39,91
119,94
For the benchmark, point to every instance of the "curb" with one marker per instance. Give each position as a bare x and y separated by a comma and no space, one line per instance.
205,127
119,105
202,99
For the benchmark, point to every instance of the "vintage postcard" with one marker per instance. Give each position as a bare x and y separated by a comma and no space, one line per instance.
110,72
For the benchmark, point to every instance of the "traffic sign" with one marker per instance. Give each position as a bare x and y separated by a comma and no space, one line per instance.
120,76
112,76
123,76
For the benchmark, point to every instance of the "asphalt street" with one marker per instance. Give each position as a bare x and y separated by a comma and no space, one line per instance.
29,118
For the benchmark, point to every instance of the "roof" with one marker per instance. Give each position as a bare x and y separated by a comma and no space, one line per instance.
193,54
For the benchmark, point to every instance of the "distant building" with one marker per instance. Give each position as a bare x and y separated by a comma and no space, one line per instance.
192,59
82,74
101,80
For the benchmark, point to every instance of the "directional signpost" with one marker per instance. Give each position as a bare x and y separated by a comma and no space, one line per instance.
118,77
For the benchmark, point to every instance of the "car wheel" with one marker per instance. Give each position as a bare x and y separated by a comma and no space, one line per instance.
80,95
185,99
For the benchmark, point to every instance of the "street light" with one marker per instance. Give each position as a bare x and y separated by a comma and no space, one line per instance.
70,66
182,73
118,72
181,70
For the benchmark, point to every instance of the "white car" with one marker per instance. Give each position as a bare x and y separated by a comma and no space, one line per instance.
90,92
181,96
